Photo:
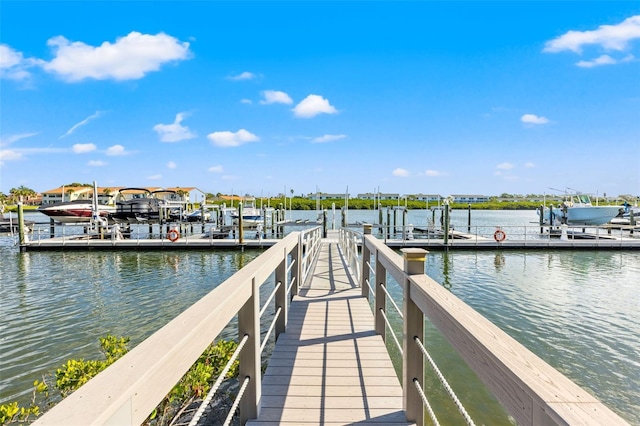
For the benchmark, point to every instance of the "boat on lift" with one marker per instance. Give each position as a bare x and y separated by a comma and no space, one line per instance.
251,215
139,205
76,211
578,210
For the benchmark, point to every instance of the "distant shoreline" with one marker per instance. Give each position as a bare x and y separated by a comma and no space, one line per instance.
358,204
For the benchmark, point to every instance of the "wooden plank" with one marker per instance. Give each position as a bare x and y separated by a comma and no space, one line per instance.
331,371
329,391
366,381
331,402
320,416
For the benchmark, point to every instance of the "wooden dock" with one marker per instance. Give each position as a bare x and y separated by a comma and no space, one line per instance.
330,367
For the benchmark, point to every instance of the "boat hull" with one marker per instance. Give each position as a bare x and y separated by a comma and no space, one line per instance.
591,215
583,215
74,212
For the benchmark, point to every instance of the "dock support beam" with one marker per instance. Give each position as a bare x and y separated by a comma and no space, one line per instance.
21,234
413,326
445,224
240,229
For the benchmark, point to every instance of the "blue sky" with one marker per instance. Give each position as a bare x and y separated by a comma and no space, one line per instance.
254,97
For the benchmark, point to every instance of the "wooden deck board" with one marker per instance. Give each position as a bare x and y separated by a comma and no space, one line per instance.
330,367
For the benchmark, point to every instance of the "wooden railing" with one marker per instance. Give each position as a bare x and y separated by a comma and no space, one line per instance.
532,391
128,391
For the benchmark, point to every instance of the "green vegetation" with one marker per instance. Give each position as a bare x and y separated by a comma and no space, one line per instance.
75,372
300,203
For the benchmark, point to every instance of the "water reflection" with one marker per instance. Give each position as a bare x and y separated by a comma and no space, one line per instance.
578,310
63,301
446,281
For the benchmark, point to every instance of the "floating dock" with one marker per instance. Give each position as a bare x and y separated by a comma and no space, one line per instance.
456,241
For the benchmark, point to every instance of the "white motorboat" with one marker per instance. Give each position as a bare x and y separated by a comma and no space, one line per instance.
251,216
578,210
626,215
77,211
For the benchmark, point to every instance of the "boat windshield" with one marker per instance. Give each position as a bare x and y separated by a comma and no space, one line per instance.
583,199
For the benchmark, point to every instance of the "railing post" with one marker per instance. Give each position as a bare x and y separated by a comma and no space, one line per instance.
249,323
296,271
381,298
281,295
366,257
412,358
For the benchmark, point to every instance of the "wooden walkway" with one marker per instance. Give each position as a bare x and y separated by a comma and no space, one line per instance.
330,367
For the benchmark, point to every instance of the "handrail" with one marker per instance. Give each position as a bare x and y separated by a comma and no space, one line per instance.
216,385
395,338
531,390
444,382
349,240
310,239
128,390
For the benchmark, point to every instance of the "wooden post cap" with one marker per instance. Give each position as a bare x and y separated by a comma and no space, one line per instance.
414,259
367,228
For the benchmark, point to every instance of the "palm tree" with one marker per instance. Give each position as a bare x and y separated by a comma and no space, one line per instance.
21,191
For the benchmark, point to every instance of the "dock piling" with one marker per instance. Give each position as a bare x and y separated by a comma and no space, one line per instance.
21,227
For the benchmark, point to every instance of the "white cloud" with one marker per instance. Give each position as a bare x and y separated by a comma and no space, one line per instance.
275,97
9,155
230,139
82,123
13,64
529,165
610,37
174,132
9,57
215,169
129,58
601,60
15,138
83,148
171,165
242,76
400,172
432,173
328,138
505,166
96,163
155,177
116,150
533,119
313,105
246,101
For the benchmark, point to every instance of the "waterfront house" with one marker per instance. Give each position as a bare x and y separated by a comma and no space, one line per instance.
470,199
426,197
326,196
378,196
106,195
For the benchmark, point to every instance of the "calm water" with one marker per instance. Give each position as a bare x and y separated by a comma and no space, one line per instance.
578,310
